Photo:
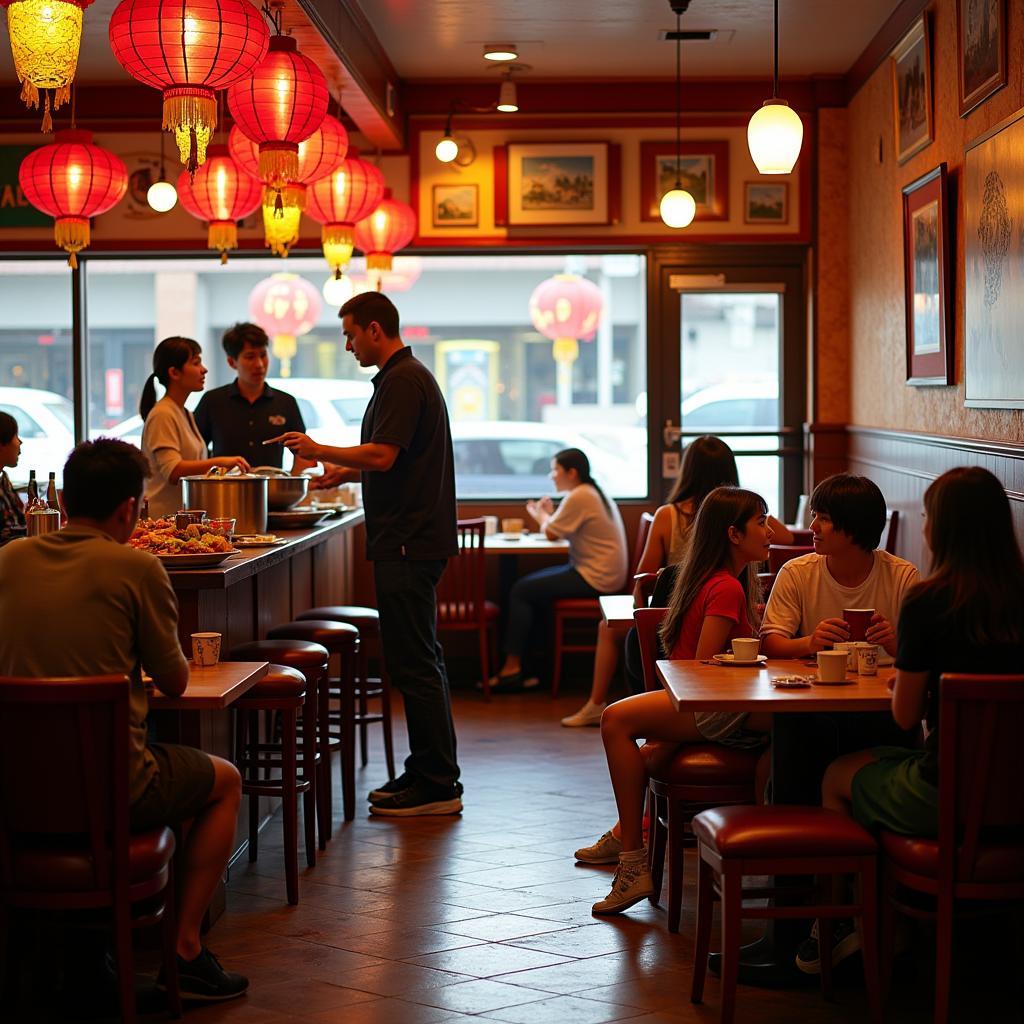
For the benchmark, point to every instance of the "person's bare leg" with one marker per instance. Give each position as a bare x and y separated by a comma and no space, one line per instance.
513,664
207,849
606,660
837,786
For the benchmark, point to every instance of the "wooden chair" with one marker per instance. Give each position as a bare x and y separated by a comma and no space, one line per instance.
65,844
978,855
887,542
461,603
580,613
780,554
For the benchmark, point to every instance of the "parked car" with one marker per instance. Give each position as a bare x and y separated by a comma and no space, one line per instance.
46,426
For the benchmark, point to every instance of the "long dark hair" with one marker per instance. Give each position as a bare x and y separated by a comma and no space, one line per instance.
976,560
171,353
573,458
8,427
709,551
708,462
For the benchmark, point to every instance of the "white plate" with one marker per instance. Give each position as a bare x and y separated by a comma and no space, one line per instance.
298,519
249,542
731,659
201,560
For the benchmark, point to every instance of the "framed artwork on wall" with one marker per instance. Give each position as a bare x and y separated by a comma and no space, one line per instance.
993,188
981,50
912,91
765,202
703,172
928,282
456,206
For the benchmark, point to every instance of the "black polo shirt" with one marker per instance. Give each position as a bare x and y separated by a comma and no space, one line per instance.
234,426
410,509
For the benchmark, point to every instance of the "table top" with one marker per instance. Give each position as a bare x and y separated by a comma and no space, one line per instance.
617,609
212,688
524,544
698,686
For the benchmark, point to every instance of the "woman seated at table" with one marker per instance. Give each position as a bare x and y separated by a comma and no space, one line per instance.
170,438
715,599
598,560
967,616
12,514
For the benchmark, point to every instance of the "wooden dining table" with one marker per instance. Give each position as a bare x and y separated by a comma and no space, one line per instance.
212,688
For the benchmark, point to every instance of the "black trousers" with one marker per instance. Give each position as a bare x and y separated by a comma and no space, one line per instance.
407,603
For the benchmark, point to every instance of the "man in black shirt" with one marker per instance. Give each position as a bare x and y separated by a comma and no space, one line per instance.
407,470
236,419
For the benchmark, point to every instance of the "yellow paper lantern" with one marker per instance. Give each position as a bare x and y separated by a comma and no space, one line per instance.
282,215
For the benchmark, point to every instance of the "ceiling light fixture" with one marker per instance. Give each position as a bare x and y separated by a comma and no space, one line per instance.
508,102
775,133
162,195
500,51
678,207
451,150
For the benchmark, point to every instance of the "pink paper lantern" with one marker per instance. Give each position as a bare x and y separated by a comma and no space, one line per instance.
286,306
566,308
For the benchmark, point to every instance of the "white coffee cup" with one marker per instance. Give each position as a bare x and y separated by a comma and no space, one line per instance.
490,525
867,659
205,649
832,666
745,648
850,646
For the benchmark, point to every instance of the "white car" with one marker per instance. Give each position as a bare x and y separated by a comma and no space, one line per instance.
46,426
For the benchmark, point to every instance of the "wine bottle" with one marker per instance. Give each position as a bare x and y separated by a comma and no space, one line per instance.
33,487
51,492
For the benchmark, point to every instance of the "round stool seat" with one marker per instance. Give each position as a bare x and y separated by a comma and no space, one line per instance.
334,636
366,620
701,764
280,683
298,654
782,831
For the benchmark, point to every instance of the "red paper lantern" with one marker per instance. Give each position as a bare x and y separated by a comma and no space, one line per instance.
72,180
389,228
337,202
283,103
285,306
220,193
564,308
188,49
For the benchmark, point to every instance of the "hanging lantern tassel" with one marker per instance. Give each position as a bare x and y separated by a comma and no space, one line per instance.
72,235
280,227
379,261
222,235
565,351
279,163
284,347
338,242
191,114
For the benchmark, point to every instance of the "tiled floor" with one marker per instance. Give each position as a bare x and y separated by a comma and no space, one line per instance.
485,916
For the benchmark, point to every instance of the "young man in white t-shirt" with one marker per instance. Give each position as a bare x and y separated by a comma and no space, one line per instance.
805,610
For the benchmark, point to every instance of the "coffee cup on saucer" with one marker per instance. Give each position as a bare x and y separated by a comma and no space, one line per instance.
832,666
745,648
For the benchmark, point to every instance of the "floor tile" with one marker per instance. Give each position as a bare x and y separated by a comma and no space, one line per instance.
480,996
564,1010
488,960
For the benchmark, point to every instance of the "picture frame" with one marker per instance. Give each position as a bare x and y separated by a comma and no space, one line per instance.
928,280
980,50
455,205
705,174
556,184
912,91
766,202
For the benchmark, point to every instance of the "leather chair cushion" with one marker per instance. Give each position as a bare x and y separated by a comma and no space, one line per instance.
300,654
62,867
366,620
696,764
781,832
332,635
998,861
446,612
280,681
578,606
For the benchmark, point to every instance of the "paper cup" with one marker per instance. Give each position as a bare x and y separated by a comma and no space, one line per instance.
490,525
851,654
745,648
512,526
867,659
832,666
205,649
858,619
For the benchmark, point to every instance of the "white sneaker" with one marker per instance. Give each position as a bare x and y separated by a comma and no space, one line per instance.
589,714
605,851
632,883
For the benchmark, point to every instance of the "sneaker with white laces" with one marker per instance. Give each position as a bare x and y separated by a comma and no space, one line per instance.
632,883
845,942
589,714
605,851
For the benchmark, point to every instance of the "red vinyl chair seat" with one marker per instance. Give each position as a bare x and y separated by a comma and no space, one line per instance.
701,764
332,635
366,620
301,654
998,861
578,606
280,683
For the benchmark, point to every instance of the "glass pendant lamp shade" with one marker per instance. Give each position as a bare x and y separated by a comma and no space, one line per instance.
677,208
446,150
162,196
774,136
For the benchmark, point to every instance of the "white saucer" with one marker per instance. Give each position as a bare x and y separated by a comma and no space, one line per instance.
731,659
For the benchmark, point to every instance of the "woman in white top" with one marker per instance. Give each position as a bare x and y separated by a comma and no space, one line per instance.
170,438
597,557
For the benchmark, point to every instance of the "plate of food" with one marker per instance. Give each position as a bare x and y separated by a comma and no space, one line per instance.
731,659
258,540
297,518
191,548
196,560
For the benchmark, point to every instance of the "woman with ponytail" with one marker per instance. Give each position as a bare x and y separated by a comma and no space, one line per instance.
170,438
598,560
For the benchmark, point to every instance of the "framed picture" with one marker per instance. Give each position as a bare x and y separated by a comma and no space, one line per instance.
456,206
556,184
981,50
703,172
928,281
993,196
765,202
912,91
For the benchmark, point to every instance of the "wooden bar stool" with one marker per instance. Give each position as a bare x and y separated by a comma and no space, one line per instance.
312,660
367,621
339,638
734,842
280,693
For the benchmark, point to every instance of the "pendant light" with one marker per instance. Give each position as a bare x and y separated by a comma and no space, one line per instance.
775,133
162,195
677,206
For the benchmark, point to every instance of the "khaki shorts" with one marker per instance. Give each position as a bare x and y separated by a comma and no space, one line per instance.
179,790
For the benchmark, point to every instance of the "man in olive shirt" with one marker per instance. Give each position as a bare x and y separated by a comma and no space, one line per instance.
80,602
407,470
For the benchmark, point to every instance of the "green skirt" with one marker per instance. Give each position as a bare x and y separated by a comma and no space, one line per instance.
891,793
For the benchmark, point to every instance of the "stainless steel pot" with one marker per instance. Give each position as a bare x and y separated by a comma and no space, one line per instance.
242,497
283,491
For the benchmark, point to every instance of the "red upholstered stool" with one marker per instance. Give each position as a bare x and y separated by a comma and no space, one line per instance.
738,841
341,639
683,783
367,621
312,660
281,693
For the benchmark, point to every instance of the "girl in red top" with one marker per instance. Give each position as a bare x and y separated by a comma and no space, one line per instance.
715,599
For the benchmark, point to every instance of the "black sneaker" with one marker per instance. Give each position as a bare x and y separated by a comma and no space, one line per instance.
404,781
845,942
203,980
420,798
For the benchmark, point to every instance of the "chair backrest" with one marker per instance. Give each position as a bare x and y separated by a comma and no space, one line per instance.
888,538
643,530
64,768
780,554
645,583
647,622
981,721
460,592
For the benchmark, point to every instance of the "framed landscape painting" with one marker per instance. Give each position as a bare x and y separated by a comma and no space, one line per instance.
703,172
981,50
765,202
928,283
912,91
456,206
556,184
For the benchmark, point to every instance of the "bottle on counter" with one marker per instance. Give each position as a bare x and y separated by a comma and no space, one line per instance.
51,492
33,489
144,514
